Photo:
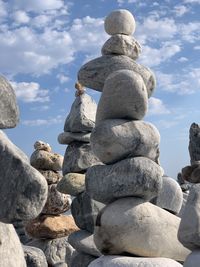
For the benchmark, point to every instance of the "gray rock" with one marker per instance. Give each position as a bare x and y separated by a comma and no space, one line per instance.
83,242
23,190
84,211
52,177
194,145
69,137
82,260
114,140
9,111
82,115
185,197
188,233
11,252
193,259
60,264
56,250
139,177
120,44
19,228
78,157
120,21
72,184
34,257
124,96
56,202
41,159
170,197
130,225
122,261
94,73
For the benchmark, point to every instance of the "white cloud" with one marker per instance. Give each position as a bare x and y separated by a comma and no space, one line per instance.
62,78
3,10
190,32
157,107
197,47
41,122
183,59
192,1
21,17
37,5
180,10
30,92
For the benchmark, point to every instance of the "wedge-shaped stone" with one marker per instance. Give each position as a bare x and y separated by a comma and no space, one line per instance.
122,261
114,140
124,96
23,190
82,115
94,73
9,111
34,257
69,137
139,177
72,184
130,225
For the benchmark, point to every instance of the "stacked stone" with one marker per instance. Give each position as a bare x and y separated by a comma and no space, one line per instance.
23,190
51,226
78,158
129,148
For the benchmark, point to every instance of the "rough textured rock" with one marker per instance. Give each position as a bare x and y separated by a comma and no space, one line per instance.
185,197
78,157
120,44
51,226
45,160
52,177
94,73
120,21
84,211
40,145
188,233
170,197
34,257
142,229
191,173
56,202
9,115
19,228
114,140
11,252
140,177
82,115
194,145
56,250
124,96
23,190
82,260
82,241
72,184
192,259
61,264
69,137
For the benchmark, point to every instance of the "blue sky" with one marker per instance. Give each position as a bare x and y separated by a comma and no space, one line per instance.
44,43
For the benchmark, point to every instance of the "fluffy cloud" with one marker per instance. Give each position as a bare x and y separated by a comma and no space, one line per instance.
41,122
192,1
21,17
180,10
157,107
3,10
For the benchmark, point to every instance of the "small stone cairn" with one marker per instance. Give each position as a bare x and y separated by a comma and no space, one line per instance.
131,176
51,225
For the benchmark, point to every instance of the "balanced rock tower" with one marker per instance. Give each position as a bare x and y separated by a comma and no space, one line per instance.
131,176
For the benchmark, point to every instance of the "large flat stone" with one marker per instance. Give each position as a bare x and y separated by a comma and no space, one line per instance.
94,73
69,137
124,96
72,184
114,140
140,177
9,111
23,190
130,225
34,257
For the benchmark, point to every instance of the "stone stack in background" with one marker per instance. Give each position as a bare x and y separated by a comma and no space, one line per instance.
129,148
50,230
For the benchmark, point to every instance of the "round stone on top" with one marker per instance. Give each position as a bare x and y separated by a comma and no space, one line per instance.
120,21
40,145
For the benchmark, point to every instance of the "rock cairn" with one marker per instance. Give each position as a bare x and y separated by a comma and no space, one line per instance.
129,148
51,228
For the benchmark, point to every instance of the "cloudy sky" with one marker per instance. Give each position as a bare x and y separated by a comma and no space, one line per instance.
44,43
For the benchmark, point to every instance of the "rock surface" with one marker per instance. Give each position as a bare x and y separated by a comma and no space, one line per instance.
40,145
69,137
114,140
34,257
142,229
194,145
192,259
9,115
72,184
23,190
52,177
82,260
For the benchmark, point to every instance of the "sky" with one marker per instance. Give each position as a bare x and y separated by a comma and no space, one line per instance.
43,44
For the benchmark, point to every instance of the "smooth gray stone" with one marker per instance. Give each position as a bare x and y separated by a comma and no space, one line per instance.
34,257
194,144
11,252
122,261
124,96
94,73
193,259
56,250
120,44
84,211
139,177
82,260
9,111
83,242
78,158
69,137
170,197
114,140
23,190
52,177
185,197
188,233
72,184
82,115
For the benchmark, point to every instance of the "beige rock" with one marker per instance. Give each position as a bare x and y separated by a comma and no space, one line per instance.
72,184
52,177
40,145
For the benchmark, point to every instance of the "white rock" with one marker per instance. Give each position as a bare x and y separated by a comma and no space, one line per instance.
40,145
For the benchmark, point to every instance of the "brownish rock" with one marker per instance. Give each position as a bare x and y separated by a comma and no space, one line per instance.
52,177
